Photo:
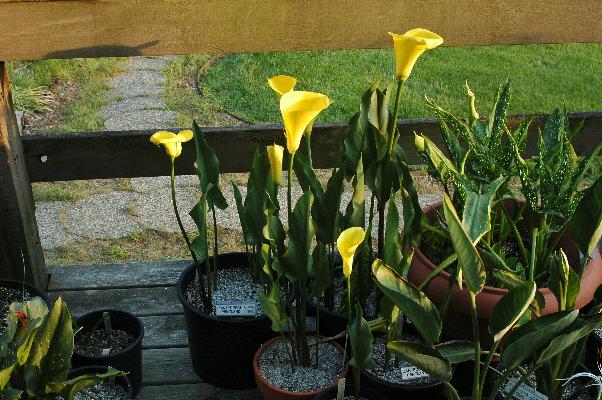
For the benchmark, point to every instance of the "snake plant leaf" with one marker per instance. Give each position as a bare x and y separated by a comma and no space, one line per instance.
355,215
319,271
457,152
271,305
456,351
462,129
476,217
326,210
411,301
586,224
424,357
525,340
297,258
199,215
50,356
497,118
207,165
360,336
77,384
579,329
307,177
469,259
10,394
510,308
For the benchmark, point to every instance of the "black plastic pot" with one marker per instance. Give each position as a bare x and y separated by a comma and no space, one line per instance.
406,391
222,349
129,359
28,288
331,323
593,354
123,381
368,393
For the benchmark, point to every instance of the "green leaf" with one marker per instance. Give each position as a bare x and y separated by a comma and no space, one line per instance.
79,383
297,257
240,208
360,337
199,216
497,119
579,330
307,177
527,339
439,163
271,305
476,217
392,252
10,394
586,224
319,270
510,308
207,166
256,197
326,209
424,357
456,351
411,301
469,259
356,209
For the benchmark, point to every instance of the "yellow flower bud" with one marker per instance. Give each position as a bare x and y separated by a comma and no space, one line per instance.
275,154
282,84
347,244
298,110
171,141
410,46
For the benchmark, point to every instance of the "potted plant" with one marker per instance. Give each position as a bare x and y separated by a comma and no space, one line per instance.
110,338
15,291
218,293
35,354
517,238
296,364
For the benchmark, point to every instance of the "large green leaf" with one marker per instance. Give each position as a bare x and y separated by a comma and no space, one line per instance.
256,196
469,259
10,394
307,177
79,383
476,216
456,351
326,210
240,208
424,357
510,308
271,305
297,257
355,214
319,270
438,162
199,216
527,339
586,224
392,254
411,301
580,329
360,337
207,166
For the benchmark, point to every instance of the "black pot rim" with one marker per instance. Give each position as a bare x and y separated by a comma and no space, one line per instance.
383,382
126,378
30,288
201,314
122,351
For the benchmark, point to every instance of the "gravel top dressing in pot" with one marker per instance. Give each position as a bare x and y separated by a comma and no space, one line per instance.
102,391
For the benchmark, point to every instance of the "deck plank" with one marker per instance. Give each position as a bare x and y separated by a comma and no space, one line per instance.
197,391
164,331
139,301
116,275
167,367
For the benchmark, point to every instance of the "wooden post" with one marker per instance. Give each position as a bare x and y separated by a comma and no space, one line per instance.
21,254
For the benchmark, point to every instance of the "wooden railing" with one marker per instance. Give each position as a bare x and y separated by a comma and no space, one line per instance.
43,29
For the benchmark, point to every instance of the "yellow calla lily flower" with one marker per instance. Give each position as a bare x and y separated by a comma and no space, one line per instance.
347,244
298,110
410,46
171,141
282,84
275,154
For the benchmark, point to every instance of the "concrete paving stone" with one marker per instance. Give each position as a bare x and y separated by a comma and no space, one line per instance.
103,216
132,105
146,184
148,63
154,210
136,83
52,232
143,119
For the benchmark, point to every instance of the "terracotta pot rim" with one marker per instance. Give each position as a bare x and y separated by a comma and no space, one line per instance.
259,376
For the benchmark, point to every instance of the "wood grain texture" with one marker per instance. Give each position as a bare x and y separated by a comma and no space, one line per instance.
128,154
82,28
139,301
115,275
164,331
197,391
21,254
167,367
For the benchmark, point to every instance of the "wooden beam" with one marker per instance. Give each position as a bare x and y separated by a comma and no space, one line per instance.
20,250
129,154
81,28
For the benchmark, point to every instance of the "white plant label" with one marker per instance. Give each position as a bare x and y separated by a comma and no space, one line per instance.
524,391
235,309
410,373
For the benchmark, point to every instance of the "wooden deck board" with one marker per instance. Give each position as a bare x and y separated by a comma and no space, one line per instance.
146,289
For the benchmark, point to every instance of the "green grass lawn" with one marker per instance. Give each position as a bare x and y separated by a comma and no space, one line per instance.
543,77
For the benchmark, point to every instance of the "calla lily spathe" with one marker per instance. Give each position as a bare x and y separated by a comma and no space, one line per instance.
410,46
275,154
347,244
282,84
298,110
171,141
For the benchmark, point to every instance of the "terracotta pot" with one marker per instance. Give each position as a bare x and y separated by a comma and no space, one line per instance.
271,392
458,321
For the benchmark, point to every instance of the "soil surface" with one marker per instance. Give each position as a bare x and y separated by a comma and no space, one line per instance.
95,342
